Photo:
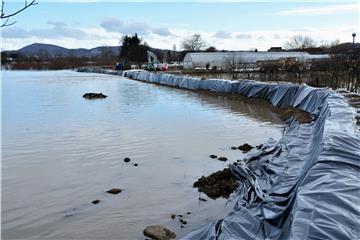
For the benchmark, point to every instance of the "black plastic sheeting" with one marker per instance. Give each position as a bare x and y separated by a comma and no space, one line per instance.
306,185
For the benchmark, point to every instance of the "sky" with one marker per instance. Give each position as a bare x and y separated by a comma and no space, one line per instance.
225,25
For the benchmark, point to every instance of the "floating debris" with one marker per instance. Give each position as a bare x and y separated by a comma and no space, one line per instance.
94,96
114,191
224,159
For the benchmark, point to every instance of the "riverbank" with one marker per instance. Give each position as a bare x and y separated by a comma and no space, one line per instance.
290,168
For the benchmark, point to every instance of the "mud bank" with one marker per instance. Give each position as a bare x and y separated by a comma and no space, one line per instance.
303,186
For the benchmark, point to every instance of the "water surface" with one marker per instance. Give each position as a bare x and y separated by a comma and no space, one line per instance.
60,152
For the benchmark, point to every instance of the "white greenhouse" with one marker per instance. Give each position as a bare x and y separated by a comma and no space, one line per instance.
221,59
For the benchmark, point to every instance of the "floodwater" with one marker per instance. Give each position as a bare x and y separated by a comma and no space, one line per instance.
60,152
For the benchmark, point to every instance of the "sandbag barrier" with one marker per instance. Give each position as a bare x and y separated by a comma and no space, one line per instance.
306,185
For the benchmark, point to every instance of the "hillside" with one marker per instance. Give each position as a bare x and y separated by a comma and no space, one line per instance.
52,51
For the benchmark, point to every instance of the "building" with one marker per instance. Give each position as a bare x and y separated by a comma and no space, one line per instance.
221,59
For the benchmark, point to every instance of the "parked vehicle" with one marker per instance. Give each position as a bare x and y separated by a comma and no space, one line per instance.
156,66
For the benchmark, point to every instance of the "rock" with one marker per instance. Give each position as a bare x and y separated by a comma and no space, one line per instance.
202,199
180,215
224,159
213,156
127,159
188,213
233,148
114,191
182,226
173,216
218,184
235,163
245,147
135,165
95,201
159,232
94,96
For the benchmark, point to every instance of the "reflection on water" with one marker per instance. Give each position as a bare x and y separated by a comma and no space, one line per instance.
60,152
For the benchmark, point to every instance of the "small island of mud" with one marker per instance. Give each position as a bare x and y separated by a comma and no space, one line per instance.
218,184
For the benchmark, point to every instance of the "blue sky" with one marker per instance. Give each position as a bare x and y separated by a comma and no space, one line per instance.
226,25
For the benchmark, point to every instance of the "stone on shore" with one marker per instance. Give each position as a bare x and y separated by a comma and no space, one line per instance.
159,232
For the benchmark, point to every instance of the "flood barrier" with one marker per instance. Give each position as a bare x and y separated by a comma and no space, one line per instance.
306,185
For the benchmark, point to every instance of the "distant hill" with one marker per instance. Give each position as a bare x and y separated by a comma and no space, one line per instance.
52,51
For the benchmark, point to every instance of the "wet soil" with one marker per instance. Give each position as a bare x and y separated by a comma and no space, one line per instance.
218,184
287,112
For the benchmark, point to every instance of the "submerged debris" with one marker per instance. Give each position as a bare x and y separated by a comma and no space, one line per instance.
95,201
245,147
218,184
159,232
127,159
213,156
287,112
202,199
94,95
114,191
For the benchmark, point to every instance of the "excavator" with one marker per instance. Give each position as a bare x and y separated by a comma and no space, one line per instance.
154,64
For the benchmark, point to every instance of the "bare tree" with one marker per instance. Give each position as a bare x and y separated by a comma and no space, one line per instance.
238,68
193,43
326,44
5,17
299,42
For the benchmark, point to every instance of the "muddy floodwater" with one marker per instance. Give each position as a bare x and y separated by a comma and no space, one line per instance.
61,151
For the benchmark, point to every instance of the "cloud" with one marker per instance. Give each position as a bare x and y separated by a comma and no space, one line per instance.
113,24
326,10
162,32
243,36
116,25
222,35
50,33
14,32
57,23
